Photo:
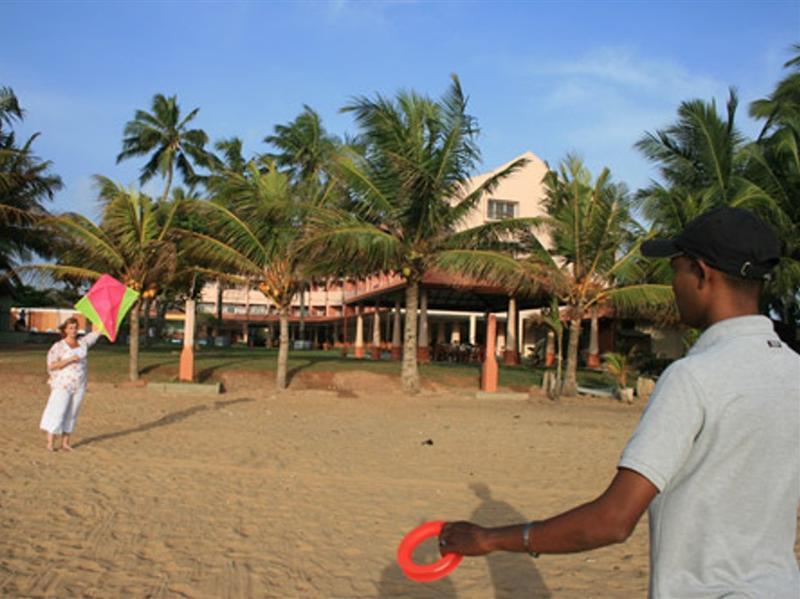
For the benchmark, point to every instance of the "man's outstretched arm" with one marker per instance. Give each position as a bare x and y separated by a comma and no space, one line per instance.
608,519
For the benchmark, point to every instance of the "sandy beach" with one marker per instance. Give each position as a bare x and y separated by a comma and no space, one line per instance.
306,494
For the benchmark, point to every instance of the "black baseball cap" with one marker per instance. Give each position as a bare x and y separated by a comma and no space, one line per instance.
733,240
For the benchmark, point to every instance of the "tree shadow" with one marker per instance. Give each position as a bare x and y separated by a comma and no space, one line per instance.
295,370
151,367
513,574
394,583
310,361
206,373
163,421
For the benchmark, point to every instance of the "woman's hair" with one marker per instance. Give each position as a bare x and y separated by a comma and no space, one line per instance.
63,326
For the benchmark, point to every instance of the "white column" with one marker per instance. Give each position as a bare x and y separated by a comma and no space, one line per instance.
376,328
397,349
396,330
189,323
473,327
359,329
422,339
455,334
245,327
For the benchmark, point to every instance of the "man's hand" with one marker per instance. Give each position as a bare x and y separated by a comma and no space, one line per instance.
465,538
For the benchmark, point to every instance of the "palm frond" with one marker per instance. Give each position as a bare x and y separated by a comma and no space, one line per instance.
489,267
645,298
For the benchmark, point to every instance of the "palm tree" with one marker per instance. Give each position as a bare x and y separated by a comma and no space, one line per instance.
409,196
774,164
232,157
595,255
10,110
306,151
25,183
593,258
255,230
698,161
166,136
704,162
132,243
304,147
781,107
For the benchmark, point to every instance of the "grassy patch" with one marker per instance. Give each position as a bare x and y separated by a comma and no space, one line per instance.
109,363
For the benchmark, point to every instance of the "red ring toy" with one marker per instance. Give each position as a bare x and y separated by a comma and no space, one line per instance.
425,572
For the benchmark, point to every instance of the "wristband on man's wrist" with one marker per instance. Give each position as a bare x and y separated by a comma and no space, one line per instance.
526,539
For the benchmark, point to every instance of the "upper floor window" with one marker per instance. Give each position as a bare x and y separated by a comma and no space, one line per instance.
500,209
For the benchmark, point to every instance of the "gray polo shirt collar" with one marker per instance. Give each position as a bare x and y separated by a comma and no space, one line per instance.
733,327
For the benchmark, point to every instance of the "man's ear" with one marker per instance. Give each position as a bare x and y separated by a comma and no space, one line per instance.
704,272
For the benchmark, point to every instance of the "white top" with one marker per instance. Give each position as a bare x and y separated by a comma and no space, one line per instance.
72,376
720,438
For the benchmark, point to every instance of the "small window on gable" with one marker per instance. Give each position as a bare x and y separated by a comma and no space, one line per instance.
501,209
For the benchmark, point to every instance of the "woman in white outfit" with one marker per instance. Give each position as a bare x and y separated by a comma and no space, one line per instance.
66,365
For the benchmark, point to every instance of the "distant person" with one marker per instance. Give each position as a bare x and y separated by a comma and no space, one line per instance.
66,365
716,455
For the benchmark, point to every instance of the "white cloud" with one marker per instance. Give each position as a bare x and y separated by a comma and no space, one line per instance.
78,195
605,101
623,69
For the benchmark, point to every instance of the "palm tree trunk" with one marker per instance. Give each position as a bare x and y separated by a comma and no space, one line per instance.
302,325
283,349
146,321
133,344
410,372
246,326
559,359
161,314
167,186
218,306
570,388
593,359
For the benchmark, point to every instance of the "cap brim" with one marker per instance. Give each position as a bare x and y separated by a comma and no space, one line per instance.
660,248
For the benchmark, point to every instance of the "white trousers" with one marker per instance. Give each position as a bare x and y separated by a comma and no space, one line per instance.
62,410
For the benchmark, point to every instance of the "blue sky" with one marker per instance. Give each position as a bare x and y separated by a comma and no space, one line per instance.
550,77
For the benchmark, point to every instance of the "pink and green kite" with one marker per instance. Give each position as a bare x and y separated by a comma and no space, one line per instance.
106,304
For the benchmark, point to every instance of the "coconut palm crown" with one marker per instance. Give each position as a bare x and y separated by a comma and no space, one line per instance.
593,256
253,229
166,137
304,147
26,182
409,197
774,164
133,243
704,162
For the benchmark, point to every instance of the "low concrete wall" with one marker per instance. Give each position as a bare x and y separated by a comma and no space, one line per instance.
185,388
500,395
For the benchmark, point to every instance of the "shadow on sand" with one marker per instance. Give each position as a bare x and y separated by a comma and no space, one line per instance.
300,363
167,420
205,374
156,365
513,574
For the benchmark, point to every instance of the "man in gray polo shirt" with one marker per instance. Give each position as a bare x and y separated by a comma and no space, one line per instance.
716,456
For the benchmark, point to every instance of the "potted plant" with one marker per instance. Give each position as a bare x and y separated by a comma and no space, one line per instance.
619,366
